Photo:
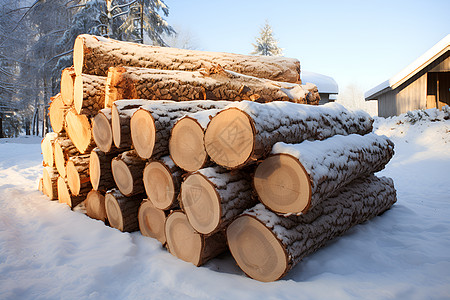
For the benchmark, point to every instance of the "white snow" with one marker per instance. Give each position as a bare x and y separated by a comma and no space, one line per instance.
325,84
48,251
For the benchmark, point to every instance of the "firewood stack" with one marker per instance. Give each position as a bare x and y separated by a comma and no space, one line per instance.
211,151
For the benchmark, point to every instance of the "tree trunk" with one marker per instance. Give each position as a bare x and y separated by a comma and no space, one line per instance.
298,176
102,131
64,195
100,170
77,170
212,84
122,211
49,182
152,123
152,221
245,132
266,246
213,197
95,205
127,169
57,113
63,150
67,84
187,244
89,94
94,55
80,131
47,148
162,180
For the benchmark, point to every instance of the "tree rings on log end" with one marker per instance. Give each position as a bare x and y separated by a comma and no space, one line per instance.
113,212
73,178
201,203
283,184
182,240
47,151
143,133
186,145
67,84
60,161
116,127
57,114
256,249
78,93
78,55
95,205
159,185
95,171
79,131
122,176
229,138
152,221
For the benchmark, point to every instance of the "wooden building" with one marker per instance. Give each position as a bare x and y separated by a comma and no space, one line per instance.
424,84
327,86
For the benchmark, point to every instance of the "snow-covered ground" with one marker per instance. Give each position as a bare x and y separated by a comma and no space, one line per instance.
48,251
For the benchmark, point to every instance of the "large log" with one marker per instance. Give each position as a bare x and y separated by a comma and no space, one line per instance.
187,244
100,170
122,211
266,246
67,84
95,205
57,113
244,132
63,150
77,170
152,221
79,131
298,176
94,55
64,195
102,131
162,180
215,83
49,182
127,169
47,146
152,123
213,197
89,94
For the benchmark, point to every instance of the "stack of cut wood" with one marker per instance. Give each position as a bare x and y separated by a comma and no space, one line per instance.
211,151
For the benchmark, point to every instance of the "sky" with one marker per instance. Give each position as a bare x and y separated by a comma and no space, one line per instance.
360,43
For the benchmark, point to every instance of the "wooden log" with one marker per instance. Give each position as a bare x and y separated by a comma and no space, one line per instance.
298,176
89,94
94,55
79,130
57,113
186,145
67,84
77,170
122,211
152,123
162,180
95,205
213,197
266,246
215,83
64,195
41,185
49,182
152,221
102,131
187,244
245,132
100,170
127,169
63,150
47,149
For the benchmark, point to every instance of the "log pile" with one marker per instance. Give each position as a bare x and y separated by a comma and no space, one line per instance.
206,152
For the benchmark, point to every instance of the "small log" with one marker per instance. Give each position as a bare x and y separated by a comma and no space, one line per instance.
266,246
245,132
41,185
102,131
64,195
95,205
122,211
89,94
187,244
152,221
77,170
47,149
100,170
94,55
57,113
298,176
162,180
67,84
79,131
127,169
213,197
49,182
214,83
63,150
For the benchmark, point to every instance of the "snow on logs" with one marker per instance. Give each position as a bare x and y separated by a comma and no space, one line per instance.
95,54
245,132
266,246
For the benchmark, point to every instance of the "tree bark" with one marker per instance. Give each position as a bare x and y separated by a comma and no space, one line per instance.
122,211
78,180
63,150
67,84
152,221
213,197
245,132
276,243
100,170
95,205
79,130
64,195
47,145
57,113
215,83
89,94
127,169
49,182
94,55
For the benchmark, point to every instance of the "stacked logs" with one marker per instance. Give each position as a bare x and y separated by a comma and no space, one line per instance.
211,151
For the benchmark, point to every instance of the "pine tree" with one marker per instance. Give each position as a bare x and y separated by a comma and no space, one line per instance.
266,44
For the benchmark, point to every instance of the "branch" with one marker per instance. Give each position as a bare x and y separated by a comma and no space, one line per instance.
123,5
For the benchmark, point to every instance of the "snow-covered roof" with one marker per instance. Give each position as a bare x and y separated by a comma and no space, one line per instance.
425,59
325,84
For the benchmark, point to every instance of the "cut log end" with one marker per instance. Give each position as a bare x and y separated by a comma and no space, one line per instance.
47,152
57,113
201,203
102,133
143,133
60,161
229,138
182,240
64,195
95,205
283,184
67,83
159,185
79,131
78,94
78,55
73,178
122,176
94,170
116,127
186,145
49,185
256,250
151,221
114,212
